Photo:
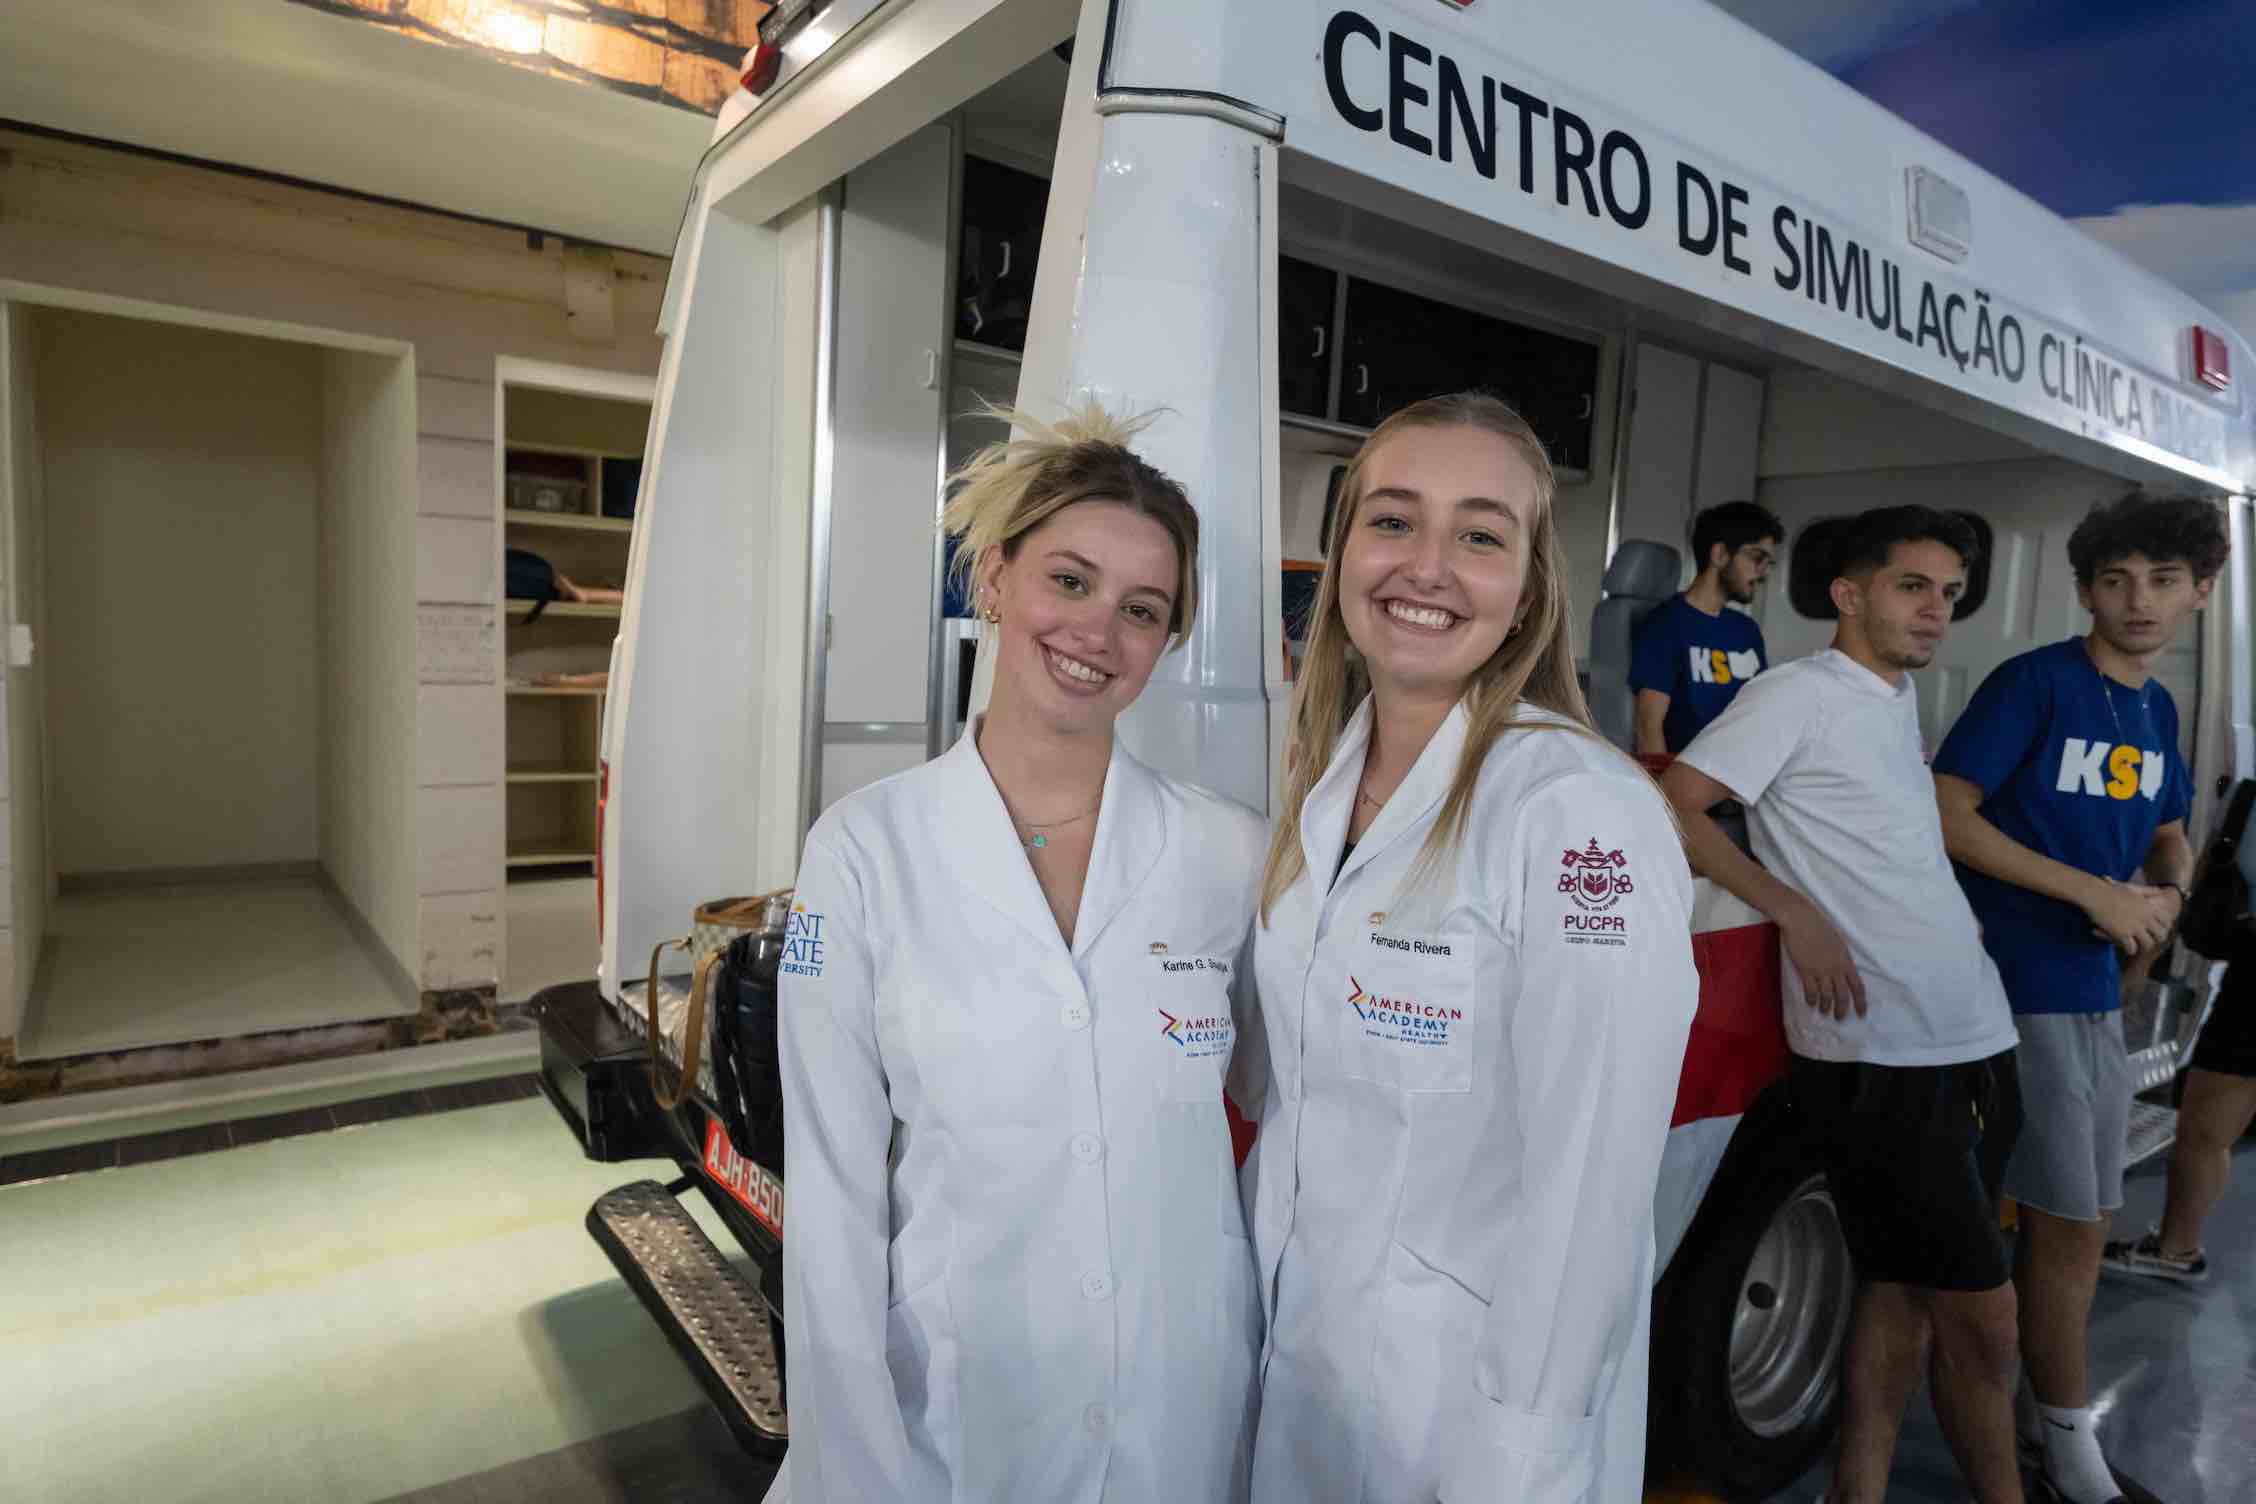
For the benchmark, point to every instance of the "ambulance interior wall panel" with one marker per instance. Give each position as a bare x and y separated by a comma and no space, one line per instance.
182,477
892,326
368,626
31,878
2032,502
727,491
1731,421
1664,442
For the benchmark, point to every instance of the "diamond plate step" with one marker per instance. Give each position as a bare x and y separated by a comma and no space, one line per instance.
712,1314
2153,1129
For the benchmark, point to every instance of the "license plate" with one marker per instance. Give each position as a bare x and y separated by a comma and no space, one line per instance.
753,1188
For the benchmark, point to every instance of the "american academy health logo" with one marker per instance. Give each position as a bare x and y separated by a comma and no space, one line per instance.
1399,1019
1596,880
1198,1038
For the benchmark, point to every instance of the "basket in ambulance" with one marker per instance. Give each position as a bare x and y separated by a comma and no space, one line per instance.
1700,266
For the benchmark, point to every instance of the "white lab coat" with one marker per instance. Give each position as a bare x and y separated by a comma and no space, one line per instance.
1469,1091
1015,1260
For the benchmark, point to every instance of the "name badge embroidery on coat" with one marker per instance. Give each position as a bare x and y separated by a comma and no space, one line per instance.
1200,1036
1596,880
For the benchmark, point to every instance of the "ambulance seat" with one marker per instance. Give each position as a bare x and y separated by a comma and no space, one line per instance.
1642,575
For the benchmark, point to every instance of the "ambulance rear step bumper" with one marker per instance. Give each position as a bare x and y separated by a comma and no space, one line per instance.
709,1311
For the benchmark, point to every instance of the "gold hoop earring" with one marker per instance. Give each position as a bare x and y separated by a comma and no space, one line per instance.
994,618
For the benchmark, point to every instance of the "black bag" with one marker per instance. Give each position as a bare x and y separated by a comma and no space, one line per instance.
747,1064
529,577
2215,921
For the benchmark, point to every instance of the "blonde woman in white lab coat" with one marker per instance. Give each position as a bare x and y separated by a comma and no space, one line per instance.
1475,972
1016,1266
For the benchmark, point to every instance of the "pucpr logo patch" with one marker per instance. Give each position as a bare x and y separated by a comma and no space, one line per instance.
1199,1038
803,943
1401,1020
1596,880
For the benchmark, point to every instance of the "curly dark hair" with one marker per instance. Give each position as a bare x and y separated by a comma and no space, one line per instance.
2166,529
1734,524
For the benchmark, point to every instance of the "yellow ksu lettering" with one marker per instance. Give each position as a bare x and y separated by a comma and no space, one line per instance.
2123,763
1722,662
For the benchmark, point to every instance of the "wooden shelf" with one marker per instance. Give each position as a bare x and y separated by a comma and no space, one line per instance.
575,450
570,609
574,521
536,773
545,857
555,692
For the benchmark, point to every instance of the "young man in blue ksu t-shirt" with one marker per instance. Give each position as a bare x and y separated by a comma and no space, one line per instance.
1692,652
2064,800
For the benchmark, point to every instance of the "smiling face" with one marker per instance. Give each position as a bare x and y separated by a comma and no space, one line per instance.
1903,609
1433,567
1085,601
2137,603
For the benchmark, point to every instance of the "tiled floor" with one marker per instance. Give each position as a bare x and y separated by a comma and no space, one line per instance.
163,966
412,1310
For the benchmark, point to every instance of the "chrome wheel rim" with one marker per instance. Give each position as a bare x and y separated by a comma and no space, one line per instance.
1792,1318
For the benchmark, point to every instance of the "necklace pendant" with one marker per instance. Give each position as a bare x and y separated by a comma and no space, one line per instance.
1039,841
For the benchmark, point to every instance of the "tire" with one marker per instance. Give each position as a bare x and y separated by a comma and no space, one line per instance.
1749,1324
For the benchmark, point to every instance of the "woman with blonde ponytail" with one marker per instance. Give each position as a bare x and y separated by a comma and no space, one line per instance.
1017,1268
1475,970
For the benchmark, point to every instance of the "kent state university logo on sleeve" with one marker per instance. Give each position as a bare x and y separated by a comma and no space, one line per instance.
2104,770
803,942
1596,881
1402,1020
1715,666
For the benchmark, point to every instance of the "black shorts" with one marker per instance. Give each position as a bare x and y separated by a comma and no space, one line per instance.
2228,1039
1914,1155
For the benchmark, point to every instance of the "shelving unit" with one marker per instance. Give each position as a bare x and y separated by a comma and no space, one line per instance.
570,466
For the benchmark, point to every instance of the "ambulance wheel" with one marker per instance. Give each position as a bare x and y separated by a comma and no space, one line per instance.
1748,1331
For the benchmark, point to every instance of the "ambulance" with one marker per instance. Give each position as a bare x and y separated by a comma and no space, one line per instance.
1703,268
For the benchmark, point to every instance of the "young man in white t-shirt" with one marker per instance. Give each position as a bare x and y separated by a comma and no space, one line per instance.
1903,1043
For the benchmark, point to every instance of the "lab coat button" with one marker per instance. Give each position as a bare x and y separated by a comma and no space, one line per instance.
1097,1285
1075,1016
1097,1419
1087,1148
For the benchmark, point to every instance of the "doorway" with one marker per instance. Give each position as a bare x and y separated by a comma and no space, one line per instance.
210,696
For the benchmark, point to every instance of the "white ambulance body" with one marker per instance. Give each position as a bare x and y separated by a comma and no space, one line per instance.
1705,268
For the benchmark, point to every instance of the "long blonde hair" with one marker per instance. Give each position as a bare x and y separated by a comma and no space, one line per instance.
1534,663
1010,488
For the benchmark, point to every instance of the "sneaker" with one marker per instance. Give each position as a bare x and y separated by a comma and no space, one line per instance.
2145,1256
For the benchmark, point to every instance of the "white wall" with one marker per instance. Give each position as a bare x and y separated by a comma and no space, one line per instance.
367,640
24,928
181,467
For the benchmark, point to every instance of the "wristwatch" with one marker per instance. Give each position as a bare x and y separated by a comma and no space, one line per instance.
2185,894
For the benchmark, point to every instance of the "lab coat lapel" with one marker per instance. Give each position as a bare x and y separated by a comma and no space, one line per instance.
1409,810
1131,833
975,824
1331,803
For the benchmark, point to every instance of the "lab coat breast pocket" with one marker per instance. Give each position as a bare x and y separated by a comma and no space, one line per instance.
1192,1030
1408,1012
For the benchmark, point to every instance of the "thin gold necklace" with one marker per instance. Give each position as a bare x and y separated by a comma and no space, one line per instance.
1040,838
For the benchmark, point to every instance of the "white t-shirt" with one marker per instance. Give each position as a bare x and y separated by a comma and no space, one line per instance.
1826,756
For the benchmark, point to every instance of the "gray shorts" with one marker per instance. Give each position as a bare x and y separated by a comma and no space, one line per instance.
2076,1114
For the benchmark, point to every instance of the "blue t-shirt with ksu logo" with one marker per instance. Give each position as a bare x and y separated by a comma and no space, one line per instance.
1697,660
2081,769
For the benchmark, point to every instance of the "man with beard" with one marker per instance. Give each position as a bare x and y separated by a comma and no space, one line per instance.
1691,653
2064,801
1902,1067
